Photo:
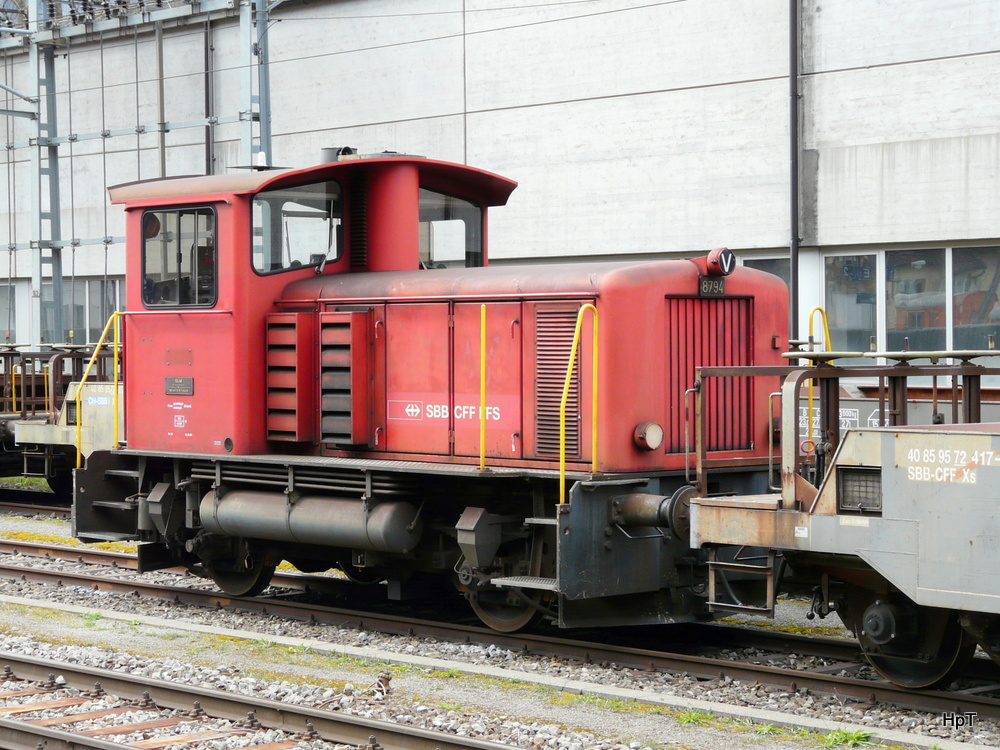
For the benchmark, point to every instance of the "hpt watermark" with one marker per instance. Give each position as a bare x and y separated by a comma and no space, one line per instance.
957,720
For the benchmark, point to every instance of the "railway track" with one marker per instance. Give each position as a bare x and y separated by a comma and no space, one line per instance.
33,502
843,656
61,706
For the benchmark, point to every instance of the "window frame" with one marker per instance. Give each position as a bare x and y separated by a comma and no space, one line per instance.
477,231
213,231
338,229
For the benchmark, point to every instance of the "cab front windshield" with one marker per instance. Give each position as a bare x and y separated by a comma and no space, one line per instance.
297,226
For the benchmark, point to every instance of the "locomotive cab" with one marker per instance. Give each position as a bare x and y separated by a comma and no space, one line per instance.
213,254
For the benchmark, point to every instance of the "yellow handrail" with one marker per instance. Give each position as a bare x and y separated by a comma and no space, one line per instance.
827,343
826,327
482,387
86,373
565,398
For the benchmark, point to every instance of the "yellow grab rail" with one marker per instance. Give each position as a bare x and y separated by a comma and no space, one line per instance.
112,321
826,326
827,344
482,387
565,398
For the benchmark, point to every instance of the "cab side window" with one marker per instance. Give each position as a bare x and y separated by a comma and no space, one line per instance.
451,231
297,226
179,258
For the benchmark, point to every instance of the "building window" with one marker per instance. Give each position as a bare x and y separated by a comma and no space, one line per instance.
780,267
87,306
930,299
850,301
975,279
916,298
7,308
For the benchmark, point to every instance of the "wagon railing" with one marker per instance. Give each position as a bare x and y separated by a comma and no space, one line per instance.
33,384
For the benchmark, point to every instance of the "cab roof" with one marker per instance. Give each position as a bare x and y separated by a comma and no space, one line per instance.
477,185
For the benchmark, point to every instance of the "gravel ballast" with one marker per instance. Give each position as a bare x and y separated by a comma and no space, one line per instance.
465,689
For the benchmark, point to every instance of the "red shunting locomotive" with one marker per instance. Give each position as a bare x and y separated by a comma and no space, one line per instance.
304,380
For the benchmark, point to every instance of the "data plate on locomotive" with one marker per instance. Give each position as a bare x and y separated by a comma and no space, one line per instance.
179,386
711,286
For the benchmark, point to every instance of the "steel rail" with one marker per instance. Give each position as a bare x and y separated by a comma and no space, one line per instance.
52,511
330,726
700,667
19,735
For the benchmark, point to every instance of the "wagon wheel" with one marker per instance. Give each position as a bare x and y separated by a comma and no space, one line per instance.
500,611
246,579
910,645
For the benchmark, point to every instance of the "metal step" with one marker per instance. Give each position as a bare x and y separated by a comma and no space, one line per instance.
743,608
724,566
541,521
129,473
526,582
106,536
115,504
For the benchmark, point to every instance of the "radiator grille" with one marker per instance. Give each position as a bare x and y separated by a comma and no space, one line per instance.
555,330
709,332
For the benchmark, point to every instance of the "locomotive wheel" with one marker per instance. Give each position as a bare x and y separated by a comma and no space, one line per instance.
500,614
910,645
249,582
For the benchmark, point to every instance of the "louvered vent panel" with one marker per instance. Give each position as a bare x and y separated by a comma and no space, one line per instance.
555,340
344,389
289,377
707,332
335,385
359,226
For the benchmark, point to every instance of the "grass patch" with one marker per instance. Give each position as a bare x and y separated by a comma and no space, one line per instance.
448,674
849,738
694,718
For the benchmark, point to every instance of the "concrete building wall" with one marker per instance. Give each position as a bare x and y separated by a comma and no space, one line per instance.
899,107
633,128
